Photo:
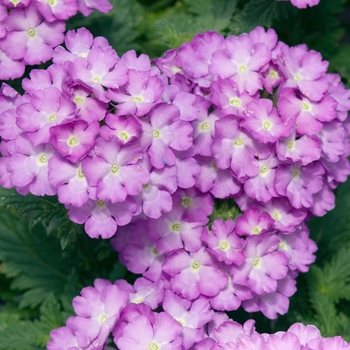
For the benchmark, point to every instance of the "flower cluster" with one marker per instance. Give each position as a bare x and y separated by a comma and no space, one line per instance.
29,30
138,153
182,324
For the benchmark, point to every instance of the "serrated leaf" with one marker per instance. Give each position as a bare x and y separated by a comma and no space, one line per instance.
42,210
258,13
33,259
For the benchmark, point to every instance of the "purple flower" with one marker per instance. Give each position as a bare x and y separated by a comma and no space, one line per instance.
74,140
114,170
241,59
192,274
164,133
141,334
29,37
263,265
98,310
102,218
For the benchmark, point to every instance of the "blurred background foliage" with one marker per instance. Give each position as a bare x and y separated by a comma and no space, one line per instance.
45,260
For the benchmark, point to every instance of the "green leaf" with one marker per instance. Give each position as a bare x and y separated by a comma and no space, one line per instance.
30,335
42,210
258,13
33,259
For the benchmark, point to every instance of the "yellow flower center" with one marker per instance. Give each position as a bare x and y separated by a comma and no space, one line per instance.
264,169
196,265
124,135
43,159
296,173
176,227
114,168
242,68
78,100
273,74
102,318
186,202
276,215
80,173
239,141
205,126
15,2
224,245
153,346
256,230
305,106
256,262
290,144
96,79
297,77
283,245
73,141
235,101
52,117
137,99
267,125
51,2
31,32
155,133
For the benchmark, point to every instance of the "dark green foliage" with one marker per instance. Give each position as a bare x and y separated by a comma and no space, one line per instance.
259,13
45,259
42,210
26,334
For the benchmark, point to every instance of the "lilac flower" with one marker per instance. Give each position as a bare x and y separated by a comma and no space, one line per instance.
87,6
29,37
226,95
299,183
305,70
138,95
125,129
252,222
164,133
235,148
194,57
220,182
263,265
264,122
299,248
223,242
302,4
308,116
101,68
79,44
102,218
172,231
70,181
241,59
155,197
192,274
192,316
10,69
74,140
46,108
29,166
114,170
57,10
141,334
98,310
